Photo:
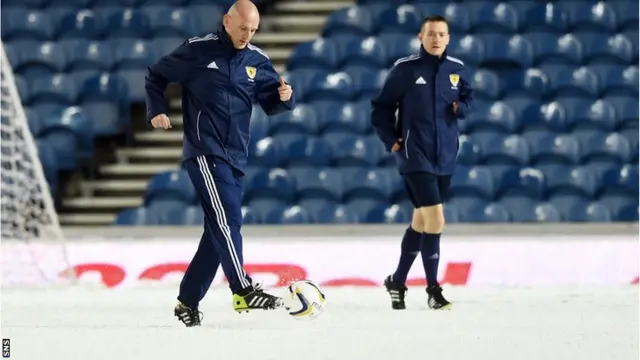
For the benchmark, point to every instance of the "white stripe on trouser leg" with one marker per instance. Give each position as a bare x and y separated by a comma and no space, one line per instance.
221,218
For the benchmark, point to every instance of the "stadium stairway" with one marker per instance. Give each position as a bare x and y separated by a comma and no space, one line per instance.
121,182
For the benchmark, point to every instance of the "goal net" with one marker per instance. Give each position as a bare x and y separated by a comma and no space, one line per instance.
33,249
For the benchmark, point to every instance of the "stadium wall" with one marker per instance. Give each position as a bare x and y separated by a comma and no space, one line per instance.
486,255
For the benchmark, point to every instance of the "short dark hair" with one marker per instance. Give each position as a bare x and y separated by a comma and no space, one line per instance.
434,18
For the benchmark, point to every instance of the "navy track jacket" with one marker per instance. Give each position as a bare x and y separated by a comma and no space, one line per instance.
220,84
422,88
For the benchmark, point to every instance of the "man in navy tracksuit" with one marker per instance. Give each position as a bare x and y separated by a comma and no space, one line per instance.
221,75
431,92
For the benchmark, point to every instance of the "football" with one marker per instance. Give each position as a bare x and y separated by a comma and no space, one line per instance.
304,300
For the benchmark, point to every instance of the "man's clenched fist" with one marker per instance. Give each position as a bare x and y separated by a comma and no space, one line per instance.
284,90
161,121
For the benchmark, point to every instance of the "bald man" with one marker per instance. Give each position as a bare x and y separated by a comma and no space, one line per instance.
222,74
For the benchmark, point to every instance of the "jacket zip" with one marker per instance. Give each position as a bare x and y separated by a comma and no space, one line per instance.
406,145
198,124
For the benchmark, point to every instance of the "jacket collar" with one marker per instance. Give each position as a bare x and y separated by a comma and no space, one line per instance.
425,56
226,41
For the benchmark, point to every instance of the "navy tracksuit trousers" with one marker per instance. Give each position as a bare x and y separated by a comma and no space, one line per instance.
219,188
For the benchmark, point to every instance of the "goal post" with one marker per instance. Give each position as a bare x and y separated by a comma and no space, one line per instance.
33,244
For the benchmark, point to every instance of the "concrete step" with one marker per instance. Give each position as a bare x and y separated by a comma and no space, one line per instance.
137,170
121,185
77,219
310,23
284,39
131,155
97,204
159,136
311,6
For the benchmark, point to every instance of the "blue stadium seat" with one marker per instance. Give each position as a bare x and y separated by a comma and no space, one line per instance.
289,215
598,17
528,113
578,181
591,115
208,15
80,24
550,49
626,110
317,54
34,121
621,181
64,144
499,149
303,119
577,209
486,213
168,21
553,148
622,207
492,116
367,184
365,52
38,59
366,83
626,14
474,181
272,184
604,147
529,83
319,184
533,212
170,185
132,217
404,19
603,49
330,87
524,182
397,46
334,214
88,55
487,85
622,81
632,137
458,16
504,52
546,17
469,152
354,20
57,89
470,49
184,216
164,212
105,100
580,82
354,150
500,18
128,23
26,24
266,152
339,117
75,121
249,216
303,150
132,54
389,214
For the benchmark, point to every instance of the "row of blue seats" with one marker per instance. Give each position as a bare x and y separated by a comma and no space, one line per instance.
80,4
487,17
526,50
109,22
33,59
506,116
550,83
478,212
341,185
533,147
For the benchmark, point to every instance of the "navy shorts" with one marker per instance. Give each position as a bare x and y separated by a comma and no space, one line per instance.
426,189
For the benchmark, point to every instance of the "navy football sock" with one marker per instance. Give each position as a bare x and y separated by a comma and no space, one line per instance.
409,251
430,250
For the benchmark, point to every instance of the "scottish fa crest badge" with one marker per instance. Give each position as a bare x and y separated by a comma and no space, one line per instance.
454,79
251,72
